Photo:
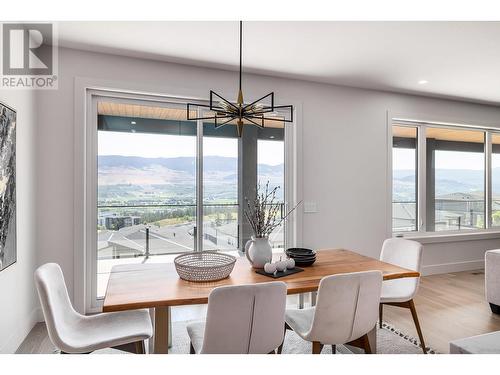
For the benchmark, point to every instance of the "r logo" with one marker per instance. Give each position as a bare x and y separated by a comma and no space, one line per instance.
27,49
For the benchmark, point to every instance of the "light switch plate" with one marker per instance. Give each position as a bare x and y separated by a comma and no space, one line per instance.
310,207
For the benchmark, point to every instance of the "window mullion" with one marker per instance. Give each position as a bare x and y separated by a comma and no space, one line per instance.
199,184
421,173
487,179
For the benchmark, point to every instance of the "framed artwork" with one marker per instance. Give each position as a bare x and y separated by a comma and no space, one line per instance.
8,251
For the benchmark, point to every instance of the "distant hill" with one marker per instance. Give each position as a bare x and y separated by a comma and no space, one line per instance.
171,180
449,181
183,164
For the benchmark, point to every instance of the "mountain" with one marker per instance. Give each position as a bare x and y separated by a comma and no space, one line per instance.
448,181
140,180
183,164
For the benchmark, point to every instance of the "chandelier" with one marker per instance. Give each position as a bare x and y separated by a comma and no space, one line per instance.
260,112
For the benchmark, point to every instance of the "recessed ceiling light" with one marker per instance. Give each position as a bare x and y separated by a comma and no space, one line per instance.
423,82
133,122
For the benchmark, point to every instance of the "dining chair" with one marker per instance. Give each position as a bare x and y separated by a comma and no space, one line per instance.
400,292
345,311
72,333
241,319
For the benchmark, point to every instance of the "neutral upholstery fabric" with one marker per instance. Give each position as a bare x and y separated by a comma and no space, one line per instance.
195,333
492,276
72,332
488,343
403,253
242,319
346,309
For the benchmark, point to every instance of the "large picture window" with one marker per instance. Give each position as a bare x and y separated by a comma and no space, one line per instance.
166,185
444,178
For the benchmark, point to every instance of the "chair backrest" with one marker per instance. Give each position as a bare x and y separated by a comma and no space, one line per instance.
347,307
58,312
404,253
245,319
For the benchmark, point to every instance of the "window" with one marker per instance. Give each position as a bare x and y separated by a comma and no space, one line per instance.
495,180
146,185
404,179
455,179
159,185
220,188
441,177
271,168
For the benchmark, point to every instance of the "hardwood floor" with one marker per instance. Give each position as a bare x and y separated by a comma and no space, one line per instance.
449,306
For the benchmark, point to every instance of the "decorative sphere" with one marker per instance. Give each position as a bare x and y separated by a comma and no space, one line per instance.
281,265
270,268
290,264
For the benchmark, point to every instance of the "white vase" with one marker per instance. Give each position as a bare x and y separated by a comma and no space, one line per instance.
258,252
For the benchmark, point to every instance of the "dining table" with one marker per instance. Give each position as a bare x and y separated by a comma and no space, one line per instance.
157,286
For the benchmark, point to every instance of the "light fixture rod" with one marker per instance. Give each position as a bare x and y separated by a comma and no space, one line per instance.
241,42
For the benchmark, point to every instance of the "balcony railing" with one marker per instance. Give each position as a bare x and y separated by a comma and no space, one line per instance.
142,230
126,231
450,214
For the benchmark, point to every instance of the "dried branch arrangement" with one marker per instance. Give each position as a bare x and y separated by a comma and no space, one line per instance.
263,212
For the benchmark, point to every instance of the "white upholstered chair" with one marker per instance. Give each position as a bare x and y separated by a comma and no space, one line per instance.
72,332
400,292
242,319
345,311
492,279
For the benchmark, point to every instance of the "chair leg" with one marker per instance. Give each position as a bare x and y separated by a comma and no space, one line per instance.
316,347
139,347
191,348
366,344
417,325
272,352
495,309
363,343
334,349
380,314
280,348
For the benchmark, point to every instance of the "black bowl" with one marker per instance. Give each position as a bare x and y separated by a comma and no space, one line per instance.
292,255
303,259
304,263
298,251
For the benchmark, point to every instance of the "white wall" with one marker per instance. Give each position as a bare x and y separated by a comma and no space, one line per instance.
344,151
19,306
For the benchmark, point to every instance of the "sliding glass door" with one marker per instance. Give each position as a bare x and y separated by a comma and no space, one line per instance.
271,169
146,184
167,186
220,188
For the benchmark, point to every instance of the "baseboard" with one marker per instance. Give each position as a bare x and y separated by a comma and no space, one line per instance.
435,269
17,337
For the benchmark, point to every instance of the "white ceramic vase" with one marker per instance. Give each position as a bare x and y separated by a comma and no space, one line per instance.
258,252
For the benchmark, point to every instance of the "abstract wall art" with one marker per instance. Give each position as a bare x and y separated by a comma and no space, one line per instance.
8,251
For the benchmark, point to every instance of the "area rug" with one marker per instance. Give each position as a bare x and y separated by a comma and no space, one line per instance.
389,341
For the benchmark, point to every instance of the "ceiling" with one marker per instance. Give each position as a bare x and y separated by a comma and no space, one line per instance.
456,59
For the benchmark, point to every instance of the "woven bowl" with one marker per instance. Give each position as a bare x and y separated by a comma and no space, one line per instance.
204,265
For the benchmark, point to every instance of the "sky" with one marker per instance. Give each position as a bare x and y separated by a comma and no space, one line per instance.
168,146
404,158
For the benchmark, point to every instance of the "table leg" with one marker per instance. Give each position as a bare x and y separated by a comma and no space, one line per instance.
301,300
314,295
372,339
162,328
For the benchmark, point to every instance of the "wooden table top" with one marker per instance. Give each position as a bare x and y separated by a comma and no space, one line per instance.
137,286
